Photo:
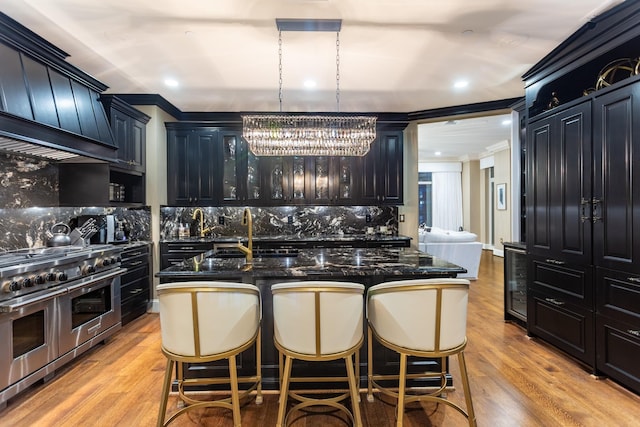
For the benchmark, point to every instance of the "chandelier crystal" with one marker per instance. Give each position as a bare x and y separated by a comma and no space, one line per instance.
285,134
300,135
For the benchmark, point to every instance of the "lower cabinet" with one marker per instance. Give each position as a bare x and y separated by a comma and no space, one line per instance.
560,307
175,252
618,326
135,287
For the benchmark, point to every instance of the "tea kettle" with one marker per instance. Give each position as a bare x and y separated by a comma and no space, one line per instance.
59,238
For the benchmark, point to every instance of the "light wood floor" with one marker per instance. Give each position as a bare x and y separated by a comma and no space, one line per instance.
515,381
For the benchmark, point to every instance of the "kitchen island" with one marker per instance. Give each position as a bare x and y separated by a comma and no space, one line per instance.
368,266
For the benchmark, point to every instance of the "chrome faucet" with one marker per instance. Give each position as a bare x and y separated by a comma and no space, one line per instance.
202,229
247,220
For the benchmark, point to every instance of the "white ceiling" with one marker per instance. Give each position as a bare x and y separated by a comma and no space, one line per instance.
395,55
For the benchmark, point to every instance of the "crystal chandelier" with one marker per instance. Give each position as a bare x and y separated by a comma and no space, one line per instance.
289,134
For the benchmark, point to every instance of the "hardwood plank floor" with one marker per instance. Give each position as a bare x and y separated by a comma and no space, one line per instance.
515,381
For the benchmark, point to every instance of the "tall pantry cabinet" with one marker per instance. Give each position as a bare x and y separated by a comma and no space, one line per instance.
583,197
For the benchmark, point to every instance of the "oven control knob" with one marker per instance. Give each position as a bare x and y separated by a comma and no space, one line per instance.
11,286
39,279
50,277
106,262
62,276
27,282
88,269
114,260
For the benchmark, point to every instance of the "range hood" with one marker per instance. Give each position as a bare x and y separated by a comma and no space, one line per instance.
48,107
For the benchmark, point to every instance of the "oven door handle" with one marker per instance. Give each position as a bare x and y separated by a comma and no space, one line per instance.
82,283
8,307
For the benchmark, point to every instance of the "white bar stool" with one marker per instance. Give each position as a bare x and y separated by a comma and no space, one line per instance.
318,321
203,322
422,318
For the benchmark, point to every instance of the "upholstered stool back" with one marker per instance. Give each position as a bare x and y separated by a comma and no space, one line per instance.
204,322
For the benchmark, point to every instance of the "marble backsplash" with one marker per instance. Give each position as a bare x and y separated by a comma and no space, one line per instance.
297,221
26,228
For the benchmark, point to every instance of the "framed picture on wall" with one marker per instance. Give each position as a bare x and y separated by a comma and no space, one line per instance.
501,197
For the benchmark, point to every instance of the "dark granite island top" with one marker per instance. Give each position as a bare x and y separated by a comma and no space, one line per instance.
364,265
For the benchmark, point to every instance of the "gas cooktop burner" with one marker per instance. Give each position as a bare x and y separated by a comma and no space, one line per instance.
28,270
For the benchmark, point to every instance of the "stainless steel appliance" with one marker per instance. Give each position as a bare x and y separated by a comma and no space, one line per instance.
55,304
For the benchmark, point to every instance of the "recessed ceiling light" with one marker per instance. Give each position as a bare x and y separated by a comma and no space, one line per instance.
467,32
309,84
438,153
506,122
461,84
171,82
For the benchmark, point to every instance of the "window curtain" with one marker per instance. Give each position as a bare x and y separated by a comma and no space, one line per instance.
447,200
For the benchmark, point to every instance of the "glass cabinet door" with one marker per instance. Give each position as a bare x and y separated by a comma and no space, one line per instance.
276,179
229,155
253,176
515,283
298,178
322,178
344,178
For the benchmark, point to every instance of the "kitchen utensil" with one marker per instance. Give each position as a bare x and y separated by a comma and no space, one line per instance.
59,238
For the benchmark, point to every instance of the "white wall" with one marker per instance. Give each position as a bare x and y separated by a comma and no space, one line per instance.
156,174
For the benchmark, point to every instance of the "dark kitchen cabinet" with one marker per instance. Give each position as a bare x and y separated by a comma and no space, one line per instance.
559,156
92,184
616,189
129,131
192,165
241,174
176,252
382,171
135,284
583,213
211,166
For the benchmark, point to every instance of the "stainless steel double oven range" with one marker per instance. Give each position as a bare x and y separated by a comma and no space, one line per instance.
55,304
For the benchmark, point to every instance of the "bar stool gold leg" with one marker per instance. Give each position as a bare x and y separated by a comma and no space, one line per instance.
284,392
401,389
369,365
355,395
165,392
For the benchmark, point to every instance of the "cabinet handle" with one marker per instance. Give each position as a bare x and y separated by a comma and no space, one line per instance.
186,248
594,210
133,264
583,208
554,261
633,332
554,301
634,279
132,254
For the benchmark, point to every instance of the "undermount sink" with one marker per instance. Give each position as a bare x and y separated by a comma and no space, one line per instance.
257,253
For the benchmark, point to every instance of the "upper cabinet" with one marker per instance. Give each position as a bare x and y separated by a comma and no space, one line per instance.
192,165
128,126
213,166
382,170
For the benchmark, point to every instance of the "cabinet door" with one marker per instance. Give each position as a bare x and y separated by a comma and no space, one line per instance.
136,144
241,181
391,166
382,171
120,125
559,187
616,195
191,167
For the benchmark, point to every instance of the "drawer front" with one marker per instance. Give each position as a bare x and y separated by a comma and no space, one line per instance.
135,274
618,295
619,351
133,308
136,289
568,327
569,284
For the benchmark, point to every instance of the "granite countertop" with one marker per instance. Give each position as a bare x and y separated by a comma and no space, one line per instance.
295,238
315,264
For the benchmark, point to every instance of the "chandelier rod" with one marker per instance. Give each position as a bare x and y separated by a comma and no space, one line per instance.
338,71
